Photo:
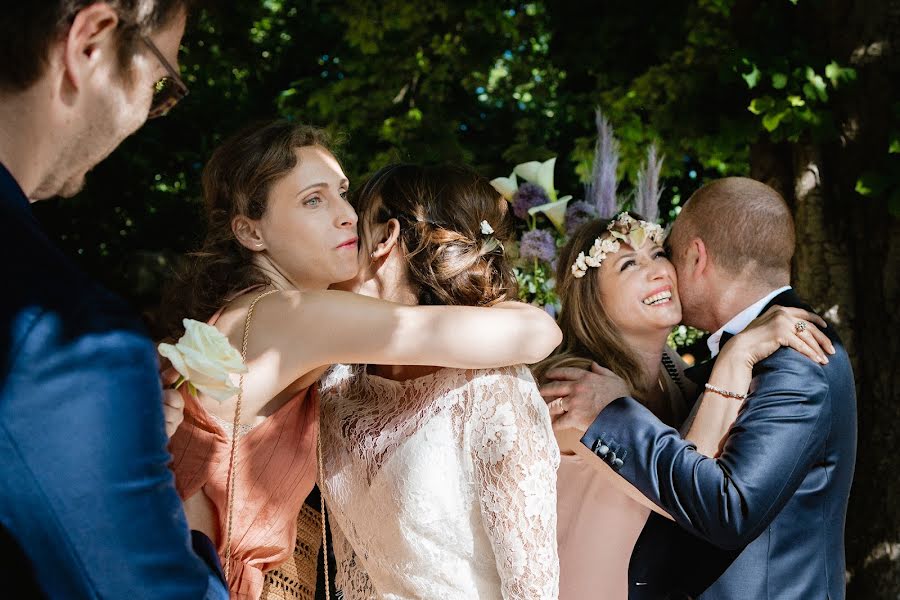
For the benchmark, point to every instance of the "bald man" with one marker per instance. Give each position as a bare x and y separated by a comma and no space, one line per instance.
764,519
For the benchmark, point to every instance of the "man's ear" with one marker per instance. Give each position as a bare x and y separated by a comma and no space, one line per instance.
698,257
247,232
91,40
388,235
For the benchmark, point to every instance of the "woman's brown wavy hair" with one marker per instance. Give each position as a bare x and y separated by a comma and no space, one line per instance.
236,181
588,333
440,210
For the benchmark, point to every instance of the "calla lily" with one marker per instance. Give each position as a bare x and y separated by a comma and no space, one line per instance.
539,173
555,211
506,186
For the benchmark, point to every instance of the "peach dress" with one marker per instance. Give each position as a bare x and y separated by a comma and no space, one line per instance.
598,524
274,473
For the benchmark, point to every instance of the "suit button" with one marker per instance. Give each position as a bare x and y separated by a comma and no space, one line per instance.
602,450
617,464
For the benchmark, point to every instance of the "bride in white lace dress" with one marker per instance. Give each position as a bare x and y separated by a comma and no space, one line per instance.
440,483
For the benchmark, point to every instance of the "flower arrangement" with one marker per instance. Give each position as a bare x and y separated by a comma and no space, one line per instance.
545,221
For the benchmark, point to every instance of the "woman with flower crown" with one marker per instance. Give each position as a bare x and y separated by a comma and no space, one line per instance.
440,483
619,302
280,232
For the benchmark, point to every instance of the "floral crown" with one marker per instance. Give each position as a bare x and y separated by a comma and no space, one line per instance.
623,228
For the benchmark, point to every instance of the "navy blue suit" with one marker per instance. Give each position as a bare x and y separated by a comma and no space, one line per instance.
88,507
766,519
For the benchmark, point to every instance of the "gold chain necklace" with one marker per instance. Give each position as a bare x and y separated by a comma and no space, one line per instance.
230,481
234,433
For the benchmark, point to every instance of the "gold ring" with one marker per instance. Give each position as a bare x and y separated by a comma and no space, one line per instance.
799,327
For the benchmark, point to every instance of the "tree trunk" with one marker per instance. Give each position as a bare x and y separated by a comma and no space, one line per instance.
847,264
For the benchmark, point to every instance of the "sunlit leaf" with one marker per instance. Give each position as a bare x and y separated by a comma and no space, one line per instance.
771,121
752,78
759,106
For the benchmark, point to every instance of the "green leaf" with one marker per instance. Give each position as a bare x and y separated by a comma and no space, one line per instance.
836,73
771,121
872,184
894,146
818,84
752,78
809,91
794,100
761,105
779,81
832,72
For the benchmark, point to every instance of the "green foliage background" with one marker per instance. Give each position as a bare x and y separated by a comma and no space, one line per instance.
494,83
484,82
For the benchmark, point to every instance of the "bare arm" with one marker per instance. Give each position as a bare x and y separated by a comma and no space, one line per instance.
294,333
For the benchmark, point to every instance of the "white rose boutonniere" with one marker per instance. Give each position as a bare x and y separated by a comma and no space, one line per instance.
205,360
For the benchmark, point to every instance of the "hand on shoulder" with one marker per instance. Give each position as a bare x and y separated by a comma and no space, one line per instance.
576,396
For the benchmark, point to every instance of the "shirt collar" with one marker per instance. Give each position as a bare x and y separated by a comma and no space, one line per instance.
740,321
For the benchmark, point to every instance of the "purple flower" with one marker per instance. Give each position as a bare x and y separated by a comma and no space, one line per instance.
538,244
577,214
528,196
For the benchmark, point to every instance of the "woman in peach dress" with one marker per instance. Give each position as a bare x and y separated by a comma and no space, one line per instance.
619,304
280,232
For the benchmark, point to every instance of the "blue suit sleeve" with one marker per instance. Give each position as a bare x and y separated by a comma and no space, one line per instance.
728,500
95,506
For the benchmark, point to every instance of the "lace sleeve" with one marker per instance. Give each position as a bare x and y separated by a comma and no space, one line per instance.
350,578
516,457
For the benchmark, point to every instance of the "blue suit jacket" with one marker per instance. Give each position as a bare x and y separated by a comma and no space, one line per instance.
766,519
88,507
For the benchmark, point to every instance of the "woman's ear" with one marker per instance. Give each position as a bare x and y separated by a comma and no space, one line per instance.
387,235
247,233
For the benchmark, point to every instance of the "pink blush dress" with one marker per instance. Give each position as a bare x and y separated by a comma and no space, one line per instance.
274,473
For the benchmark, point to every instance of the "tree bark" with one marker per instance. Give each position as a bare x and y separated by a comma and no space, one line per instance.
847,264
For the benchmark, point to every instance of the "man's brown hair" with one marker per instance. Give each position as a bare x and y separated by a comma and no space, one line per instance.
746,226
28,29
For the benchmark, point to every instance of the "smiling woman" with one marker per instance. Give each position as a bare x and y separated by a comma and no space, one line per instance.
620,300
281,232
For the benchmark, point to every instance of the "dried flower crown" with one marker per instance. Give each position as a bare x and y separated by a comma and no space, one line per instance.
624,228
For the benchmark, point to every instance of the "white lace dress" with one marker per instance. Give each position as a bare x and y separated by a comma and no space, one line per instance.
443,486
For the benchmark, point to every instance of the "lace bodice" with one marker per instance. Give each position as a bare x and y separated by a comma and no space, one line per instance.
442,486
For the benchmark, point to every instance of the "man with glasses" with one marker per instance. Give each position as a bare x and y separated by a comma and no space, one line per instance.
88,507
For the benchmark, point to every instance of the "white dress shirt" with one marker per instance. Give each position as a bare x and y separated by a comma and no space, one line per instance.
740,321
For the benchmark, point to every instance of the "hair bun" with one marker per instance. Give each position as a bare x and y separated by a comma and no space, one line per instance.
441,210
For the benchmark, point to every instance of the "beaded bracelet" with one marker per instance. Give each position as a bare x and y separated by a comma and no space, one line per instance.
725,393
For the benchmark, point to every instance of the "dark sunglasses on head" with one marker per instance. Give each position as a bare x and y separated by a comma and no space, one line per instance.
169,89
